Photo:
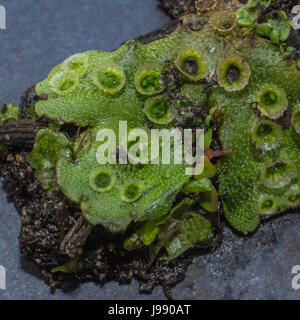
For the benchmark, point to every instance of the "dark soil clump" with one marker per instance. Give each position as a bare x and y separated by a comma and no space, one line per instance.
177,8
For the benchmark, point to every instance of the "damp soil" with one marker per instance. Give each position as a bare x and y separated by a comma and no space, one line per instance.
191,67
177,8
232,74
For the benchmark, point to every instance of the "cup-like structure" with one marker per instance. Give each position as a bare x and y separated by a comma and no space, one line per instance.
159,110
191,63
132,191
268,205
233,73
277,174
64,82
102,180
296,119
148,80
205,5
223,22
109,78
77,62
292,198
272,101
266,135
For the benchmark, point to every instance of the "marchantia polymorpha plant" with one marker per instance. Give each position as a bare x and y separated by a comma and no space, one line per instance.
234,78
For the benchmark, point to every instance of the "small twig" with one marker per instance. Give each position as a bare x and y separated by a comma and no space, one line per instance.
82,142
75,238
18,133
61,214
214,154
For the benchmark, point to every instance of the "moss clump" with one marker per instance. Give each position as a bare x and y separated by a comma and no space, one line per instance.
49,147
9,112
211,77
